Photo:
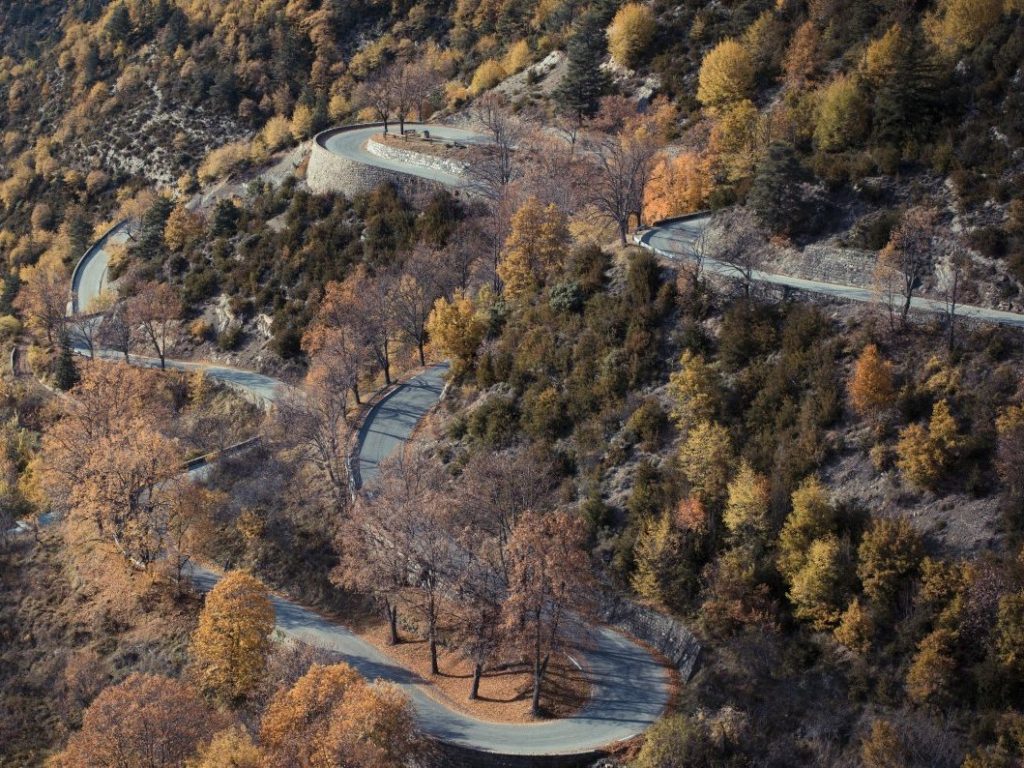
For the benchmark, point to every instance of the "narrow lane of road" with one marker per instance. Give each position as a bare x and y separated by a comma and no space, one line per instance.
391,422
675,241
630,689
90,278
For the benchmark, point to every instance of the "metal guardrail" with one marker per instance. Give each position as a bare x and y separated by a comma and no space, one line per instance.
681,217
214,456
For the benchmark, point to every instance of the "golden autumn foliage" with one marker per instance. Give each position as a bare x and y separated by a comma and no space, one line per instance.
678,185
856,628
871,386
183,228
962,24
924,455
1010,633
746,512
332,717
147,721
843,113
655,548
695,390
630,33
456,327
812,518
486,76
230,645
518,57
535,250
889,553
931,676
706,459
817,588
231,748
726,74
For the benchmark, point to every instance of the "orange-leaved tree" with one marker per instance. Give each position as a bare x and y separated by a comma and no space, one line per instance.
230,645
332,717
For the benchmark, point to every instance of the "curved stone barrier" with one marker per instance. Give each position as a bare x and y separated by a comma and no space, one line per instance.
415,159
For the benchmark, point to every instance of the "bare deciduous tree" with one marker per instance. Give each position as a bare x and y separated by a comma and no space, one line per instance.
911,251
736,241
154,312
953,280
114,330
549,584
314,421
622,164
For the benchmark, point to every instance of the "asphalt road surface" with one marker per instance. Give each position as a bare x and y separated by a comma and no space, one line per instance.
90,279
391,422
352,144
675,241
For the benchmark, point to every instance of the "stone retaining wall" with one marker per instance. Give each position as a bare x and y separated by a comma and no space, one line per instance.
329,173
827,264
411,157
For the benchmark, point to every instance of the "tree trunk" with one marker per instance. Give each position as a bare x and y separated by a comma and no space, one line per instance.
432,634
392,623
474,688
387,369
906,306
423,357
538,675
355,393
623,226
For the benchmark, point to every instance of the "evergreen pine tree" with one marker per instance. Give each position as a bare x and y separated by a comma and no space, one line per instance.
119,23
225,219
585,82
66,374
775,194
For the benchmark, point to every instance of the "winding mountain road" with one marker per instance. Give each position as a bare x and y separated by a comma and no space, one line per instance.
630,688
676,240
351,143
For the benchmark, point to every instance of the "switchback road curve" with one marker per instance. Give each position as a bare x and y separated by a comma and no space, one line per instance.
630,688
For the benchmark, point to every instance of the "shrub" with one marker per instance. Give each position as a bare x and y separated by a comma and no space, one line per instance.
544,414
566,297
200,330
518,57
224,160
648,423
10,326
487,75
230,339
495,422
